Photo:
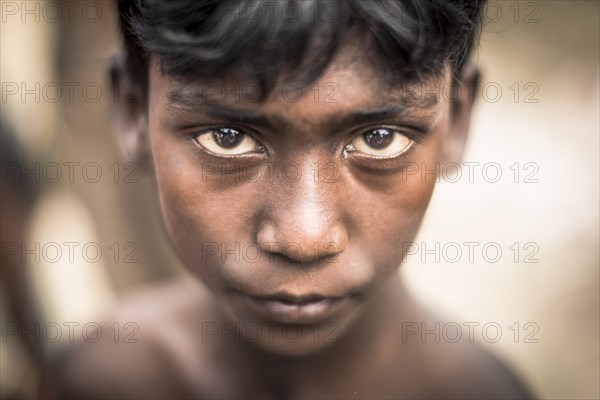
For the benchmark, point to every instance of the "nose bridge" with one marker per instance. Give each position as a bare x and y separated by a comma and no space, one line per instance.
305,220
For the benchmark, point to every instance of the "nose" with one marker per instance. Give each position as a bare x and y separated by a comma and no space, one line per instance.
303,219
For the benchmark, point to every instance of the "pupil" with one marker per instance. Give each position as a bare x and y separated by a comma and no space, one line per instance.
378,138
228,138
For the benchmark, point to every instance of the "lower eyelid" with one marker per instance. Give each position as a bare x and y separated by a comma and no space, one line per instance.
389,163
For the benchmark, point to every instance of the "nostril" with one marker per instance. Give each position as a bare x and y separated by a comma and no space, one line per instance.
328,258
295,252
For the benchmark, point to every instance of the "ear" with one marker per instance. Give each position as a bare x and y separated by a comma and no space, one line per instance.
130,114
462,101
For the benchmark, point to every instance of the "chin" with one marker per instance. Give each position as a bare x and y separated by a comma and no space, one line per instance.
293,340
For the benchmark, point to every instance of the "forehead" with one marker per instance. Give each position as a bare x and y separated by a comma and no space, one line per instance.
351,82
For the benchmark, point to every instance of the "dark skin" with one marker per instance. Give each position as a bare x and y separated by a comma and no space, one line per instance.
345,233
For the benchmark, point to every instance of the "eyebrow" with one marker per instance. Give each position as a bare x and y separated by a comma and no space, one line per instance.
219,111
386,112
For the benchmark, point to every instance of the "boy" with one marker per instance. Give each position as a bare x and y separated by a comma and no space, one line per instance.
289,141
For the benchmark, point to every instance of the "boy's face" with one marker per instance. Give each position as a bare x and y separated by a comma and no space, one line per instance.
294,211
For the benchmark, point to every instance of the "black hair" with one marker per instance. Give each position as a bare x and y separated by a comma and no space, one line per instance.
265,38
14,155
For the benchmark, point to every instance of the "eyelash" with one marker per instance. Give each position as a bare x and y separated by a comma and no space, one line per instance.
416,138
192,137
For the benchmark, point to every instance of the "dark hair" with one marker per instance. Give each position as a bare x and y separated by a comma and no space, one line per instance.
266,38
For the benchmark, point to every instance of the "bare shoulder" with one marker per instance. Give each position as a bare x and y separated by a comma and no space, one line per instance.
457,368
467,371
451,364
148,348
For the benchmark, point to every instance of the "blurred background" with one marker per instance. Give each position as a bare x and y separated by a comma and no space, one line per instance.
510,245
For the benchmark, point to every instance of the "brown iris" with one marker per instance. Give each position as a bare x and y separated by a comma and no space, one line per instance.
378,138
228,138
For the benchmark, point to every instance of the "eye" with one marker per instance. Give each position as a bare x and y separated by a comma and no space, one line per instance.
228,142
381,143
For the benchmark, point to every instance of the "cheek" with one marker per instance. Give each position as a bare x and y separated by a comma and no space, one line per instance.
179,201
393,213
393,226
196,218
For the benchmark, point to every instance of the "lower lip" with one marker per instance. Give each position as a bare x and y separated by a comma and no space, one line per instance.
310,312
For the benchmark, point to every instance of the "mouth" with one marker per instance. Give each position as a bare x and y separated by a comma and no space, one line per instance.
302,310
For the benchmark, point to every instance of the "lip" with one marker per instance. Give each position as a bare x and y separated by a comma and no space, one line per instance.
296,310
